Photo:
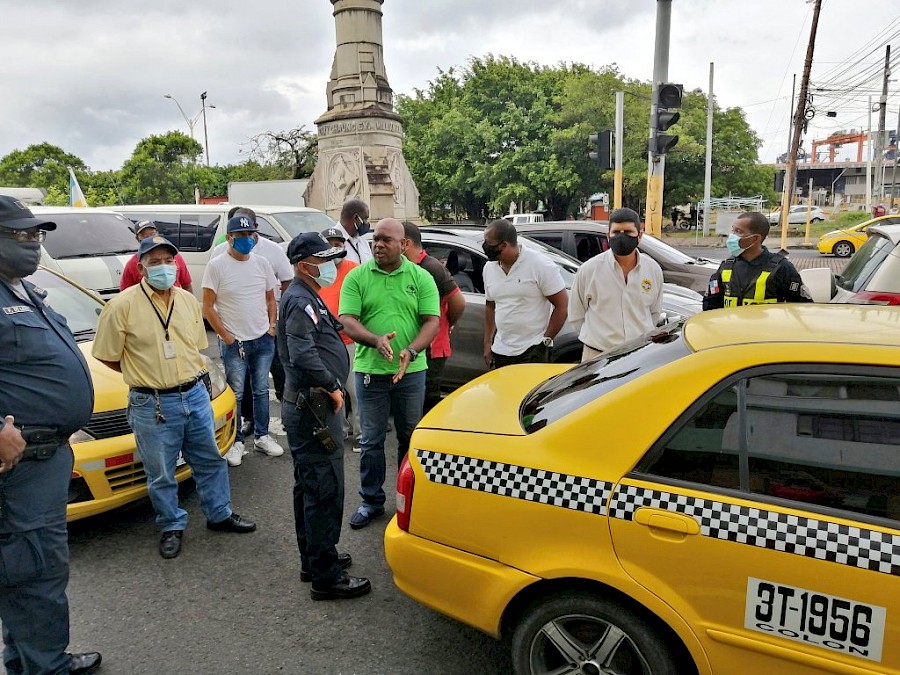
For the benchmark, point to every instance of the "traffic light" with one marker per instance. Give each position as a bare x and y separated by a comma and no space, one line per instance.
668,96
603,152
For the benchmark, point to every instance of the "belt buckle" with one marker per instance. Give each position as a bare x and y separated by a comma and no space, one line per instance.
44,451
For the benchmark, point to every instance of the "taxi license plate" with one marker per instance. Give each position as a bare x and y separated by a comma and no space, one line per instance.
815,619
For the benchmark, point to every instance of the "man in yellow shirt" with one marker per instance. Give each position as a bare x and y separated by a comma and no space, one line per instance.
152,333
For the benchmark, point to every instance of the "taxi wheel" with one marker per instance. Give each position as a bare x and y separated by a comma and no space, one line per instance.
582,633
843,249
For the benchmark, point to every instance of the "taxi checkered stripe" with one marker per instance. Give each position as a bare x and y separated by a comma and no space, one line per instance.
822,540
518,482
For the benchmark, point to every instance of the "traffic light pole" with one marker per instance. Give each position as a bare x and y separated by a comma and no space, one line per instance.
620,131
656,164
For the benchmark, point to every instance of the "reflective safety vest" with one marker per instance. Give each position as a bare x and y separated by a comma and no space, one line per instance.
755,292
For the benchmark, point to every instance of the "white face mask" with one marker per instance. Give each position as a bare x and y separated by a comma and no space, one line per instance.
327,273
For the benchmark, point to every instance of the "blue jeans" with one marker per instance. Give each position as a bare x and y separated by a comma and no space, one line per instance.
189,428
258,355
377,399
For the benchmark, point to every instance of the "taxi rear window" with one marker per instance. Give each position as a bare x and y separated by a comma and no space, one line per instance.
558,396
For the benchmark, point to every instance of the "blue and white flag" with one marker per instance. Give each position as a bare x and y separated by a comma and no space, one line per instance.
76,196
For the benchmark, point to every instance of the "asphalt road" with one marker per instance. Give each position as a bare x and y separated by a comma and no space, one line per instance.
235,604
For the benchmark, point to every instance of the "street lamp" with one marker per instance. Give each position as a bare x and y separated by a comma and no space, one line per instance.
192,121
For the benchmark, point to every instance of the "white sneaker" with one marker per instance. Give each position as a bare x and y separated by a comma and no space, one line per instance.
276,427
270,446
235,454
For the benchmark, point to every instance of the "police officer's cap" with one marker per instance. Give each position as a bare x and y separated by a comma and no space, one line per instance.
312,244
14,215
151,243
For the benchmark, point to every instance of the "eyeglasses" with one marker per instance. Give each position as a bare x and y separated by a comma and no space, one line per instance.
24,235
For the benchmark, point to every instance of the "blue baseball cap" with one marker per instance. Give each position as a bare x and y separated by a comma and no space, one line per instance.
240,223
151,243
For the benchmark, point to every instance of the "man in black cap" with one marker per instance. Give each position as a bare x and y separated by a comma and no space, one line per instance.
316,367
152,333
46,396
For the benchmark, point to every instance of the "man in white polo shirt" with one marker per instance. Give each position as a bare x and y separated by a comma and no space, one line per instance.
617,295
525,300
239,303
355,223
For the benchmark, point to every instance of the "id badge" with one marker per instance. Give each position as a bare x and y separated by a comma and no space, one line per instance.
169,349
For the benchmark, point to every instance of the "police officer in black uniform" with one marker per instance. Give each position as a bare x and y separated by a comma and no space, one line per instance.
316,367
753,275
45,396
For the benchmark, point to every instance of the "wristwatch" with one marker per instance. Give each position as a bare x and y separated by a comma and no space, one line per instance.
547,342
412,354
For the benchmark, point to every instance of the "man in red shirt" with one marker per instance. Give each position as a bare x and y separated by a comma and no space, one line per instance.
131,276
453,304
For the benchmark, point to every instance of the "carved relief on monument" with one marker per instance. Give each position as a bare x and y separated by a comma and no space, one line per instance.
343,177
398,176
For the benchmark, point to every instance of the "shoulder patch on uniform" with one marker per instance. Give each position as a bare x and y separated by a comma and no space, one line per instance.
795,286
313,314
16,309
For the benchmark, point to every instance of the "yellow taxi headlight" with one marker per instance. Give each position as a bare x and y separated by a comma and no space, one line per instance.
216,376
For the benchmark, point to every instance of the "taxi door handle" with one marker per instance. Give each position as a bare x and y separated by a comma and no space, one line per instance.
666,520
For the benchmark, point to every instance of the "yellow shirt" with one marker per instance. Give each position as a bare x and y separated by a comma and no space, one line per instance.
130,331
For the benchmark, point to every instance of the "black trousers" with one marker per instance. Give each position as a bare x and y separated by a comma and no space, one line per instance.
433,379
277,371
318,492
536,354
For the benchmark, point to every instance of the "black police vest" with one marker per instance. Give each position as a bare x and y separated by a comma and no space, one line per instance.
759,290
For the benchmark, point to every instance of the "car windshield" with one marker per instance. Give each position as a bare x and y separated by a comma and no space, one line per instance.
81,309
567,266
864,263
662,252
563,394
88,235
298,222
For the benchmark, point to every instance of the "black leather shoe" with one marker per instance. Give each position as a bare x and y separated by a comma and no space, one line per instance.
233,523
344,560
87,662
344,588
170,544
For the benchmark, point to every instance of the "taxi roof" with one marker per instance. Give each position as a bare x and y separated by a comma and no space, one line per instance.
786,322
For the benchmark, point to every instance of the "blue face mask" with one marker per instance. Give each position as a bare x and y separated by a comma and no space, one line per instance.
162,277
243,245
733,244
327,274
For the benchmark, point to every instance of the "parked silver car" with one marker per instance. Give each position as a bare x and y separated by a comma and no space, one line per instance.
460,249
872,277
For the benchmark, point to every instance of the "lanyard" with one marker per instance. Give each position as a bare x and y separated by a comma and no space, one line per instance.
163,323
356,250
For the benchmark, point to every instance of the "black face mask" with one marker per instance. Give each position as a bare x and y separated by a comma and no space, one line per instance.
623,244
18,259
492,252
362,226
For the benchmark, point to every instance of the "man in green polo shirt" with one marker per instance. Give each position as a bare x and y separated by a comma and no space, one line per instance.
390,307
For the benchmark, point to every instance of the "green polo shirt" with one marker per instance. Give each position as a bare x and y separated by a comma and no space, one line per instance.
386,302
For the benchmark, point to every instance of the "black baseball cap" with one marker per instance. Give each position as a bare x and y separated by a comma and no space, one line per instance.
334,233
151,243
312,244
14,215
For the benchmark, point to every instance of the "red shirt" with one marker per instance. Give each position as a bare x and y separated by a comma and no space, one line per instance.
131,276
331,295
440,346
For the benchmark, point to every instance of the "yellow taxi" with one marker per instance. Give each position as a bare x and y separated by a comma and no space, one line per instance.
718,498
843,243
108,473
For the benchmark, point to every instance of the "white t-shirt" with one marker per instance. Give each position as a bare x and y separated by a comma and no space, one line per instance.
607,311
272,252
358,249
240,287
521,308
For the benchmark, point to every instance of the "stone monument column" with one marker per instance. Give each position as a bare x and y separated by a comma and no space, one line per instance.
360,135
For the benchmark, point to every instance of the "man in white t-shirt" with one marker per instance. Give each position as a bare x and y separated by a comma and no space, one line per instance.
525,300
355,223
277,258
239,303
617,295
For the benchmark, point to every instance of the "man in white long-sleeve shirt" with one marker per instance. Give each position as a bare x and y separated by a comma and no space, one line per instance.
616,295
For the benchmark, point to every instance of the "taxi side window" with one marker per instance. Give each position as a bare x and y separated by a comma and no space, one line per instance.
824,439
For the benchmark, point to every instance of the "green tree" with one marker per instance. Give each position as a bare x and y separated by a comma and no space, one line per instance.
292,151
41,166
162,169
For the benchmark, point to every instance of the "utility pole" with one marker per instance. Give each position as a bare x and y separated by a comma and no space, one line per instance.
799,117
707,178
205,135
656,163
882,120
894,172
791,118
620,132
869,162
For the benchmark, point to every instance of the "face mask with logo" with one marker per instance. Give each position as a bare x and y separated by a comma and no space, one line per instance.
327,273
18,259
491,251
243,245
623,243
162,277
362,226
733,244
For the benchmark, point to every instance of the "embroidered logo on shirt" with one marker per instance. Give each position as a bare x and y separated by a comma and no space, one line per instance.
646,285
16,309
313,314
411,289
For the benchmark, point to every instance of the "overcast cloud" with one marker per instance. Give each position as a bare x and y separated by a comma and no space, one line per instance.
90,76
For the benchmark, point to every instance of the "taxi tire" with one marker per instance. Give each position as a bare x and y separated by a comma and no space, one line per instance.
645,636
843,249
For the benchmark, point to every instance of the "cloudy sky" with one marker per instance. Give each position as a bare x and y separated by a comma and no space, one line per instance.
90,76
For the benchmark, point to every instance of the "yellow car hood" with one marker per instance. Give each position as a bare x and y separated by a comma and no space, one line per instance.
490,404
110,391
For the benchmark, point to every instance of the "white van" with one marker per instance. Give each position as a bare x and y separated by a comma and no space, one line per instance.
89,246
197,228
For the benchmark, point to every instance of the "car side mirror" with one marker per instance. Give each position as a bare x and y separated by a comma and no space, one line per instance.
820,283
